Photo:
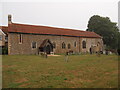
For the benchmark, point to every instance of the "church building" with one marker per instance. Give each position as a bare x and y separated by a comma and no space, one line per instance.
32,39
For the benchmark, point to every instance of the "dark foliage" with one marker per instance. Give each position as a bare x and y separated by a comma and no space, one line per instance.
107,29
4,50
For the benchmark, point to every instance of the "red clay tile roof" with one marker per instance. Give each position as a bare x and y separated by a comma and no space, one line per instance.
23,28
4,29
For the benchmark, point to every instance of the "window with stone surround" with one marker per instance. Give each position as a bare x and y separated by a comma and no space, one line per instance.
20,39
54,45
75,44
69,46
84,44
63,45
34,45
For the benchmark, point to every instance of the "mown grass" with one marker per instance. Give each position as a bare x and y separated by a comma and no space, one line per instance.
82,71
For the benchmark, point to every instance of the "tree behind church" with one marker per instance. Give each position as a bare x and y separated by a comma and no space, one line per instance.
107,29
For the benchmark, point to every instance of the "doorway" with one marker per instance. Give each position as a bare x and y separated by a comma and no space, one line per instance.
46,46
48,49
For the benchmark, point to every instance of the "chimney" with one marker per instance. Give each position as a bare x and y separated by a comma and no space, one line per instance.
9,19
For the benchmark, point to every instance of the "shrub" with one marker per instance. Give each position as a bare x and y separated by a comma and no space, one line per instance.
118,51
4,50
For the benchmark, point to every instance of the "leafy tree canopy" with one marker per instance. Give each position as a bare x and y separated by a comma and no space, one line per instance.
105,28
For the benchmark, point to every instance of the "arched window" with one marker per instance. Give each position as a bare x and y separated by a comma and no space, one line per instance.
63,45
54,45
69,46
84,44
75,44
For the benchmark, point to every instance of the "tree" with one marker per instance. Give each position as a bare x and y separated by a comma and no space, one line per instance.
119,40
118,50
105,28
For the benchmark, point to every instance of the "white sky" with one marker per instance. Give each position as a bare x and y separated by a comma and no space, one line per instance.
59,13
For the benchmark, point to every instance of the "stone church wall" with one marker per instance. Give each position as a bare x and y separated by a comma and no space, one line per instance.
15,47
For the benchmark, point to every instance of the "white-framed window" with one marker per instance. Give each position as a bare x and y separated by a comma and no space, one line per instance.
0,37
34,45
6,38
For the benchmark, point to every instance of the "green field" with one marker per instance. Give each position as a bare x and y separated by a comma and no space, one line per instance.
82,71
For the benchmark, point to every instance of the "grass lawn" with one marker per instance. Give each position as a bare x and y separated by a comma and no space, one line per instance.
82,71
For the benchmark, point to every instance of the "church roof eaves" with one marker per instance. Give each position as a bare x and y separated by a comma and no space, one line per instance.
24,28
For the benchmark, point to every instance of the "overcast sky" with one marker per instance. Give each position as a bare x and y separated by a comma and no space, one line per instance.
72,14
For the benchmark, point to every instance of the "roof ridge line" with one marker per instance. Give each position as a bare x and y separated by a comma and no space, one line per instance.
48,27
